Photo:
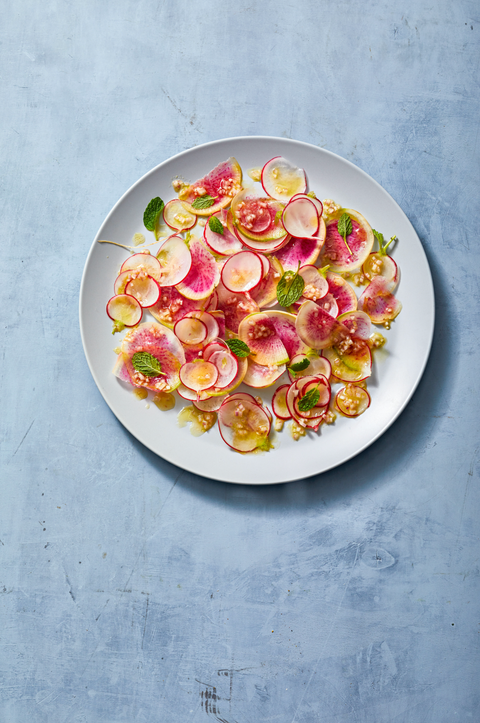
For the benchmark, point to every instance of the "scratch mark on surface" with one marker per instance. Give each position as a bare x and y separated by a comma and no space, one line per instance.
179,110
101,611
145,624
470,475
23,439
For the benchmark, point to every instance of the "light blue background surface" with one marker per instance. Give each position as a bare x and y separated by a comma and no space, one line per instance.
130,589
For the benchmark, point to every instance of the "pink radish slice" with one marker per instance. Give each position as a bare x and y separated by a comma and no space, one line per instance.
295,393
210,322
316,201
378,301
259,376
266,247
227,367
358,324
317,328
282,180
120,369
259,333
190,395
301,251
256,216
242,370
198,375
360,243
178,217
351,360
378,264
318,366
220,318
300,218
208,405
316,285
203,275
235,307
279,402
328,304
144,261
343,293
145,289
265,264
321,384
172,306
243,425
285,327
161,343
352,401
242,272
212,301
125,309
190,330
240,396
213,346
175,261
224,244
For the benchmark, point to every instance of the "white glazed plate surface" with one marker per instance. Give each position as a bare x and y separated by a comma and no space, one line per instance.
396,370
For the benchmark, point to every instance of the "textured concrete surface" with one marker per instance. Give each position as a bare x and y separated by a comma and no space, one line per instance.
130,591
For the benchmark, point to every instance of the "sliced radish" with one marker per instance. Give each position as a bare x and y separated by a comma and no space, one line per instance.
242,370
318,366
259,333
300,218
227,367
329,304
172,306
242,272
175,260
378,301
259,376
188,394
125,276
358,324
213,346
265,294
198,375
352,401
219,315
212,404
226,243
120,369
144,261
240,396
256,216
160,342
285,327
235,307
316,285
265,264
145,289
317,328
299,388
279,402
210,322
343,293
351,360
316,201
190,330
282,180
301,251
203,275
266,247
243,425
221,183
212,301
378,264
176,215
125,309
351,253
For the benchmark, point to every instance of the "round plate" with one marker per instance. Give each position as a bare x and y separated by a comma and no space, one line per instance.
397,369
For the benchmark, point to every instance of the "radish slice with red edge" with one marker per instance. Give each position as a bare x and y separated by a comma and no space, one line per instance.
243,425
125,276
210,322
175,260
125,309
329,304
198,375
297,391
227,367
203,276
266,247
378,301
189,395
316,285
178,217
382,265
303,251
145,289
240,395
351,360
208,405
259,376
358,324
190,330
213,346
343,293
282,180
279,402
144,261
317,366
352,401
316,201
300,218
223,244
242,272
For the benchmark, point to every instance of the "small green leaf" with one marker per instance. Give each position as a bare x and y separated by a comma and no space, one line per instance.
146,364
203,202
309,400
239,348
299,366
381,242
215,224
345,228
152,213
290,288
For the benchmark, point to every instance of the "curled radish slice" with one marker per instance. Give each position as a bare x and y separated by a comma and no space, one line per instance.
279,402
203,275
243,425
343,293
358,324
317,366
190,330
259,376
175,261
208,405
144,261
378,301
282,180
265,264
235,306
265,295
125,309
352,400
242,272
178,217
378,264
145,289
226,243
213,346
227,367
316,201
317,328
198,375
316,285
172,306
300,218
190,395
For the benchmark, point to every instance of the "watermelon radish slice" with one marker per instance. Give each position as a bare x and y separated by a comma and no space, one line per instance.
300,218
145,262
227,367
279,402
318,366
235,307
259,333
265,294
285,327
282,180
198,375
145,289
358,324
317,328
172,306
343,293
259,376
351,360
190,330
360,242
243,425
256,216
175,261
328,304
242,272
301,251
161,343
378,264
378,301
203,275
177,217
352,401
125,309
222,184
223,244
316,285
120,369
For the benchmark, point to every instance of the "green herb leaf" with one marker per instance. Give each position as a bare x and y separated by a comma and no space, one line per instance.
381,242
203,202
146,364
152,213
309,400
215,224
345,228
290,288
238,347
299,366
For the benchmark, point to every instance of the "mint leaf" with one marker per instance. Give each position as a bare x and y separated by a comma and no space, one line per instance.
215,224
345,228
238,347
299,366
381,242
309,400
203,202
152,213
146,364
290,288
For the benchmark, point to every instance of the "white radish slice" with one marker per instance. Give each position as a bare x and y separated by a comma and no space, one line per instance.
175,261
265,264
259,376
316,285
358,324
282,180
227,367
178,217
213,346
147,262
145,289
316,201
318,366
266,247
125,309
279,402
210,322
317,328
198,375
300,218
242,272
226,243
378,301
243,425
208,405
190,395
240,395
190,330
124,277
378,264
352,400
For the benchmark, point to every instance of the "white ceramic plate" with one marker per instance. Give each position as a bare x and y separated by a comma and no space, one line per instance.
397,370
